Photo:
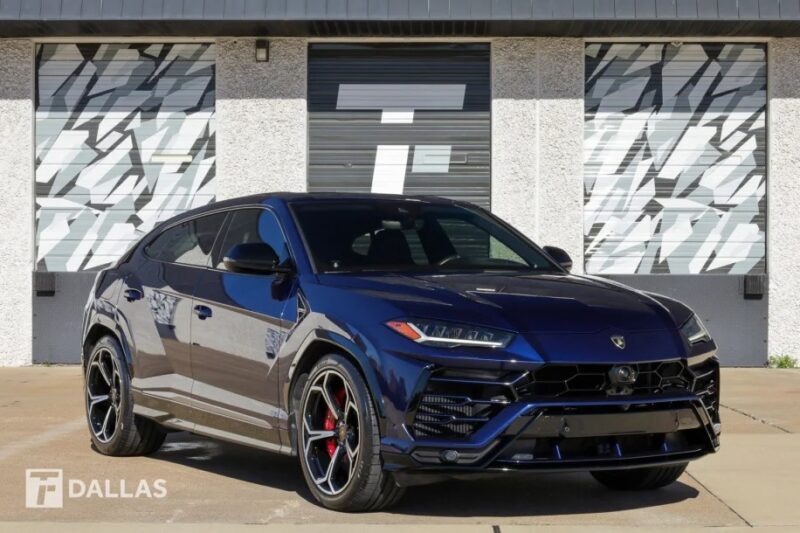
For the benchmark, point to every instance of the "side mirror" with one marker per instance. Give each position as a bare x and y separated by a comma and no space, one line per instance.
559,256
253,258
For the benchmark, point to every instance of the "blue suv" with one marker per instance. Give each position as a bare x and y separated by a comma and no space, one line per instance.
389,341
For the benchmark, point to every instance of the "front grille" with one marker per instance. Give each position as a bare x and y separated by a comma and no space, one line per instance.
457,403
591,380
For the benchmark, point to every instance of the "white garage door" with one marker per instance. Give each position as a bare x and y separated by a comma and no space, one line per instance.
124,139
675,158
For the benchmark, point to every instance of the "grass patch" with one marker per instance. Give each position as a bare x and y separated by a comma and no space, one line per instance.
782,361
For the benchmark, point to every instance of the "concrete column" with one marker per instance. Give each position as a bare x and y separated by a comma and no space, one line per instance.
783,197
261,117
515,132
537,139
560,172
16,207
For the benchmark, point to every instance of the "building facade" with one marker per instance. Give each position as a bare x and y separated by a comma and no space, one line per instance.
657,142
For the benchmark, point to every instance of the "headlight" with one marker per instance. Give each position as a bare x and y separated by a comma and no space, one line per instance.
447,334
695,331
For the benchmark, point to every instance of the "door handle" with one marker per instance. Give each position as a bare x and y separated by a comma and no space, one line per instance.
202,312
132,294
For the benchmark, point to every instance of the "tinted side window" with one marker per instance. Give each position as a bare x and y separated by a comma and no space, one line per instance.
189,243
253,225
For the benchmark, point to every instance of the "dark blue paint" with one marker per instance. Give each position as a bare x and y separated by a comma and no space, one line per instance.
557,317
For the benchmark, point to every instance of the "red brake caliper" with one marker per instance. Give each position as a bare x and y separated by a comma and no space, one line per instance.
330,421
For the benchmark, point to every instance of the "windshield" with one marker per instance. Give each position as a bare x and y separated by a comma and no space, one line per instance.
355,236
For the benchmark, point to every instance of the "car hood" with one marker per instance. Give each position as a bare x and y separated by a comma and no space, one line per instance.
541,303
561,315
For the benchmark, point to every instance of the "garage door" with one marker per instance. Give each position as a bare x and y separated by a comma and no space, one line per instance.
124,140
410,119
675,158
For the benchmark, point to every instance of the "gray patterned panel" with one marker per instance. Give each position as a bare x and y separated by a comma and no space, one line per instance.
675,158
124,140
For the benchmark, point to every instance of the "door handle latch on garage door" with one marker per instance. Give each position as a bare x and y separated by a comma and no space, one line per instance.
202,311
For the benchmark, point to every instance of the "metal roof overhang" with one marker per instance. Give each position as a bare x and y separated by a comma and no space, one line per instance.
405,28
399,18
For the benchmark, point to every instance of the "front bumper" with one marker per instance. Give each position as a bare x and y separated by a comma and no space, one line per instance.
561,434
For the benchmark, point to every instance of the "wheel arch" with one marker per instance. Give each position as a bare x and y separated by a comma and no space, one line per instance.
97,331
315,348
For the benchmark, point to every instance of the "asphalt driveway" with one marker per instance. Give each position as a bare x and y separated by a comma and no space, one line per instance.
753,481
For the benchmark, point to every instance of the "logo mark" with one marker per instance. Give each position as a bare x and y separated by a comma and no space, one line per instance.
619,341
44,488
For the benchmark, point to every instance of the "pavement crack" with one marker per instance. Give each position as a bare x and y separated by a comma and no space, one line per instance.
720,500
755,418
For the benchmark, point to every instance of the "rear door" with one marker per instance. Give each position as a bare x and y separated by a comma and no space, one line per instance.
237,330
155,305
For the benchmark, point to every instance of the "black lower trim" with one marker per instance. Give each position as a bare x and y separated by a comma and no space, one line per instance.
572,425
426,475
572,438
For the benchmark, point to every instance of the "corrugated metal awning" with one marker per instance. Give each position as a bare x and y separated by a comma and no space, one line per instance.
591,18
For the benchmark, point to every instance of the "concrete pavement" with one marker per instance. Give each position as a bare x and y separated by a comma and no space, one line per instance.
751,482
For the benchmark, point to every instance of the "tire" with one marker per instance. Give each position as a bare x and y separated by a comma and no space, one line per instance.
348,447
649,478
120,432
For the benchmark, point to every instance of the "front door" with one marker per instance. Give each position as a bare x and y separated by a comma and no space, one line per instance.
156,304
237,330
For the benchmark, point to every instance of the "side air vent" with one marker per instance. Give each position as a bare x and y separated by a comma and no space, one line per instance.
456,404
302,306
706,385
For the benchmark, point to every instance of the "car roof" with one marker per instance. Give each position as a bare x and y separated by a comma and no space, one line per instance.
289,197
361,197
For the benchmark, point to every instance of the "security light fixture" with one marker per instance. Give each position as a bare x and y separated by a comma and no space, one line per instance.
262,50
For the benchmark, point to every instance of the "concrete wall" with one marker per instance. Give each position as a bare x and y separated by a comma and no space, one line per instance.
57,319
537,139
739,326
783,195
261,118
16,208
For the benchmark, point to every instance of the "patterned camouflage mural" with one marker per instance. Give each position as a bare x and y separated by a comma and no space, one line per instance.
124,140
675,158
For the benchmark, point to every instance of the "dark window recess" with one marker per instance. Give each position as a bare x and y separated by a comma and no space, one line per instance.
188,243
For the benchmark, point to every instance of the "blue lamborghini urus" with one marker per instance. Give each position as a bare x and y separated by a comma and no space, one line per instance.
389,341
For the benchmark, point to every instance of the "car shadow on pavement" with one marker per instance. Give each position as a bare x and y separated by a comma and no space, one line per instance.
516,495
234,461
532,495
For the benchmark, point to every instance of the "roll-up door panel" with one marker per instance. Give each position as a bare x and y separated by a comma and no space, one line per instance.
675,158
412,119
124,140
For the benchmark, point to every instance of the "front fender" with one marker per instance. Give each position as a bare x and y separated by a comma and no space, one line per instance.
391,378
345,343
